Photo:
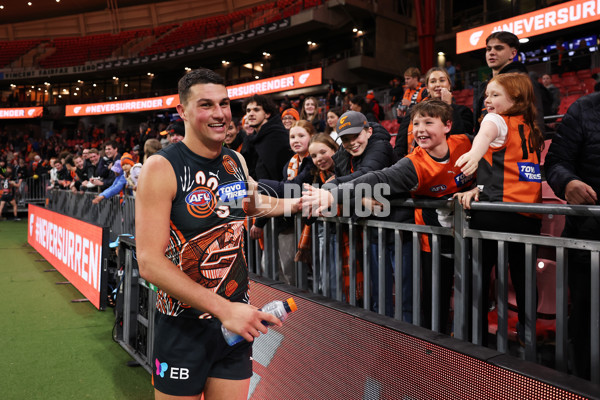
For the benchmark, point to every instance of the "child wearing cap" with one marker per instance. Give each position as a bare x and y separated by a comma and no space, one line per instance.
428,172
365,148
131,171
175,132
122,169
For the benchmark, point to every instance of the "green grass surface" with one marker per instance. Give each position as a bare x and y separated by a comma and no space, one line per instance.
51,348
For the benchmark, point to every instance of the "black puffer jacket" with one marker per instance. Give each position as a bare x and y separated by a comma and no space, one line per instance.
575,150
575,155
272,147
479,95
377,155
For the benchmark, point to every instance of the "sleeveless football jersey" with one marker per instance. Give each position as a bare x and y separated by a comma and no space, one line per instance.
439,180
511,173
6,187
207,226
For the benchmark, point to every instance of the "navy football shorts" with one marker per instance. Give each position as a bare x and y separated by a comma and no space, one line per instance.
187,351
7,198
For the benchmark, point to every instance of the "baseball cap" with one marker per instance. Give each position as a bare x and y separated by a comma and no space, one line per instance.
176,127
351,123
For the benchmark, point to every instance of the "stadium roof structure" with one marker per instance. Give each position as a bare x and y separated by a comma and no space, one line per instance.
20,10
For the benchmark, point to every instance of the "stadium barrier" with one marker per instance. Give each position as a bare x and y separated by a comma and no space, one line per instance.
33,189
76,249
117,213
546,325
329,349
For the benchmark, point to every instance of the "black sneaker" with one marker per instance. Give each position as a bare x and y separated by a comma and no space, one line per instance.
16,219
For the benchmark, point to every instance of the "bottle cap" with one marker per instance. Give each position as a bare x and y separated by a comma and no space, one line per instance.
292,304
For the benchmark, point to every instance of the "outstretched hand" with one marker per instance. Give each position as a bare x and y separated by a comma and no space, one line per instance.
315,201
97,199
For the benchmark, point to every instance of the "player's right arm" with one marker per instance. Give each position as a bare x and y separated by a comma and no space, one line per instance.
157,187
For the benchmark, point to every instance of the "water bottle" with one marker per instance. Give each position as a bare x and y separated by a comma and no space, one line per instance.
280,309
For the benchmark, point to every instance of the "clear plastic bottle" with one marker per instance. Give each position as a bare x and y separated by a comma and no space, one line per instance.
280,309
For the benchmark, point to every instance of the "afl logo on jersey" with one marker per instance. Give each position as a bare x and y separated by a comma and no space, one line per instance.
199,198
438,188
201,202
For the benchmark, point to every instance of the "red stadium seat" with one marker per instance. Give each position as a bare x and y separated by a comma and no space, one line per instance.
566,102
545,151
570,80
12,50
589,84
552,224
579,88
584,73
390,125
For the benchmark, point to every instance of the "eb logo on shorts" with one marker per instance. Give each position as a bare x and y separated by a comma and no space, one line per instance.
163,369
529,172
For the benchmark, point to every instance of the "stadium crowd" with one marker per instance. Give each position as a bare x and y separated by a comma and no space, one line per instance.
337,142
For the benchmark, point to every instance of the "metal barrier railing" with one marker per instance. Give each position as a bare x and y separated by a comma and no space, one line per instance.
532,242
117,213
33,189
467,295
379,244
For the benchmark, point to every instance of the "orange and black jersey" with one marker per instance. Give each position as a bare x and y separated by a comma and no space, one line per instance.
462,123
511,173
7,187
440,178
421,176
207,225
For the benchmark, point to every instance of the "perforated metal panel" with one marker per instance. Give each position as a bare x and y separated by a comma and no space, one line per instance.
321,353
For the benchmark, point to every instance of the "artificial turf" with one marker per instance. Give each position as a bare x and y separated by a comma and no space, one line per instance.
50,347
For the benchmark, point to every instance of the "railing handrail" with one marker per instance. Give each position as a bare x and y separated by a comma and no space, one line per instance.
119,215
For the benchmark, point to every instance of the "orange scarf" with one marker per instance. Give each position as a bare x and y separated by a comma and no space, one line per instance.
294,166
324,175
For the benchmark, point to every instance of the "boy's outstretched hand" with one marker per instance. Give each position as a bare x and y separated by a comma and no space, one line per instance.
315,201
